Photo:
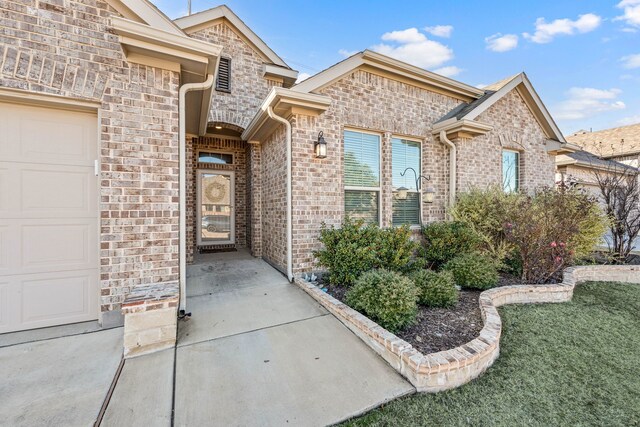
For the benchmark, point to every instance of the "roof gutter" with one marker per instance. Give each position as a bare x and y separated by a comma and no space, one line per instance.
287,125
184,89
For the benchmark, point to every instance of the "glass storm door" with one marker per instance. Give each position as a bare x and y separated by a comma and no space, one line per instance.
216,219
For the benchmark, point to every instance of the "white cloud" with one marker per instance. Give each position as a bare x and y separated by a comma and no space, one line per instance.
448,71
501,43
303,76
440,30
631,61
546,31
414,47
631,9
583,102
631,120
481,85
347,53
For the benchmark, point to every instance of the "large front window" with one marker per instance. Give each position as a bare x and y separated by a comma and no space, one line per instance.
405,154
362,176
510,171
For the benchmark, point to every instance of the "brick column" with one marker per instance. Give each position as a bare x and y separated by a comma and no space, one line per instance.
386,183
255,199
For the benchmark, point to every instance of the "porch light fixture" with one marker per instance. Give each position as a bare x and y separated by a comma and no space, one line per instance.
429,193
320,147
218,127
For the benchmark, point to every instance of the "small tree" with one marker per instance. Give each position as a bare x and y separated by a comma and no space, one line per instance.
619,191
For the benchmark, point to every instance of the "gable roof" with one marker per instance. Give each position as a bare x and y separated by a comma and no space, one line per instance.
143,11
402,71
198,20
493,93
609,142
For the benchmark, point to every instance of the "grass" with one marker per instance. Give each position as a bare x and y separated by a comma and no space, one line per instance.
569,364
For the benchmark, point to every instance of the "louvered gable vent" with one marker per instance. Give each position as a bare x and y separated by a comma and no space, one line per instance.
224,75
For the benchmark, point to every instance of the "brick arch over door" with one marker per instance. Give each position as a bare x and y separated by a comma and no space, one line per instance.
239,150
230,118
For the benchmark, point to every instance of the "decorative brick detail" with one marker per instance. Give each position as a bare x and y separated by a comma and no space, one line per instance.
449,369
150,318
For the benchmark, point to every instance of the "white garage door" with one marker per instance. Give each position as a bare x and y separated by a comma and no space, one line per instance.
49,253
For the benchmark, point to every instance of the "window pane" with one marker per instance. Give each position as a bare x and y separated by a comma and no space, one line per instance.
361,205
215,158
406,211
361,159
510,171
405,154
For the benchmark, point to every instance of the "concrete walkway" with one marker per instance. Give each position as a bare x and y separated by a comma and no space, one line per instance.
257,351
57,381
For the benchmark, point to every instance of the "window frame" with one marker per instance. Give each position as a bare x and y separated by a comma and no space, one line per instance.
377,189
518,168
419,171
214,151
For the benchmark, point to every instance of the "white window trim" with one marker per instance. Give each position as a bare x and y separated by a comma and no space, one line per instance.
380,135
518,174
419,141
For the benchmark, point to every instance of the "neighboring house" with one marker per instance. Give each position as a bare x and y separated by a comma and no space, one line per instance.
130,141
621,144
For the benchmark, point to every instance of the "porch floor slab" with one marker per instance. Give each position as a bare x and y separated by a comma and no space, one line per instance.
61,381
311,372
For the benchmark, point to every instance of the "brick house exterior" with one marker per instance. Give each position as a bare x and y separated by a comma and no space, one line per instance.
125,63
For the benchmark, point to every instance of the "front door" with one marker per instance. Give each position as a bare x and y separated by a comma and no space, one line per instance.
216,217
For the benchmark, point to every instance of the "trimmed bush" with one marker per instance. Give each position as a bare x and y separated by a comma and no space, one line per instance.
435,289
445,240
473,271
386,297
355,248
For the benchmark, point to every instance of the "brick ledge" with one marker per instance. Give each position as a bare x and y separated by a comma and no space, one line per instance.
452,368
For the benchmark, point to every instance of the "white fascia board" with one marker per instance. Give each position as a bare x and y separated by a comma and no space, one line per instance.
494,98
147,13
190,21
281,98
543,109
462,126
329,75
287,74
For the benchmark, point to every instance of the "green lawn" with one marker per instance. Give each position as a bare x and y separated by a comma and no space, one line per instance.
569,364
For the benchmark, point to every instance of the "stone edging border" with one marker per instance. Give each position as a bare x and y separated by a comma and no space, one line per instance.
448,369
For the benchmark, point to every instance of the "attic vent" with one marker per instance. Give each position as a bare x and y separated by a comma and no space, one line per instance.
223,82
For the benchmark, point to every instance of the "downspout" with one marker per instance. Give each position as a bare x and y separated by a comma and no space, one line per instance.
452,169
182,133
287,125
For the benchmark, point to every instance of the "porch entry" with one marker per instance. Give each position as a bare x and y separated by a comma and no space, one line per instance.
216,210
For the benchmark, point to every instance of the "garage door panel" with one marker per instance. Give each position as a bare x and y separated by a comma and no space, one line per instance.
44,135
58,246
49,217
53,189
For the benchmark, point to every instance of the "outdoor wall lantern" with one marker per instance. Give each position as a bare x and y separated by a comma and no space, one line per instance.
429,193
320,147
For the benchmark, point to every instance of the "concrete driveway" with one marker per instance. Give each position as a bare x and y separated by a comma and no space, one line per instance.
257,351
57,381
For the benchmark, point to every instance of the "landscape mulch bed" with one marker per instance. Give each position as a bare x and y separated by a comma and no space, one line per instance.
438,329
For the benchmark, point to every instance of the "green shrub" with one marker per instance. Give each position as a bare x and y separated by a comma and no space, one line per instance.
354,248
435,289
473,271
445,240
386,297
486,211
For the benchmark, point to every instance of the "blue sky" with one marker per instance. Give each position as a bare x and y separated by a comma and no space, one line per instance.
583,57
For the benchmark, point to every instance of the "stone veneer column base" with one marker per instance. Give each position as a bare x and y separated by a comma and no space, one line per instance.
449,369
150,318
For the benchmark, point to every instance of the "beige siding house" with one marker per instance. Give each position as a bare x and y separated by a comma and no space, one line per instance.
130,142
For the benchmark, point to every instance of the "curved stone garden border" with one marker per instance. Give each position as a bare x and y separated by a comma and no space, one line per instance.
451,368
